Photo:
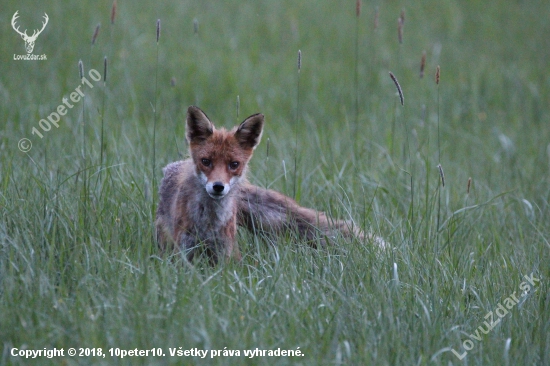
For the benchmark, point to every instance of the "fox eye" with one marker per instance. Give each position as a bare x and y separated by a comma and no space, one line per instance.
206,162
233,165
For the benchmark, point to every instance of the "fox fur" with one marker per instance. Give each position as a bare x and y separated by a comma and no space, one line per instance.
205,197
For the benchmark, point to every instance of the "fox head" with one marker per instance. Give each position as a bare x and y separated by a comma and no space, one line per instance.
221,156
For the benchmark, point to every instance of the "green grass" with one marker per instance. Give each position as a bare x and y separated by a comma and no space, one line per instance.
78,267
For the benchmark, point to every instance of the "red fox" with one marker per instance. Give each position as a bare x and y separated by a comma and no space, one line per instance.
204,198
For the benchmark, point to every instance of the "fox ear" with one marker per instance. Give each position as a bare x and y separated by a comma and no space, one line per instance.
249,132
199,127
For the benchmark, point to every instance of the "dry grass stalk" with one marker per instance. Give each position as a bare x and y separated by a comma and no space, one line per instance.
399,90
102,144
296,124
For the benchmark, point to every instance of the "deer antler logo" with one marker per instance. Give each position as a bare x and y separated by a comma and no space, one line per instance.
29,40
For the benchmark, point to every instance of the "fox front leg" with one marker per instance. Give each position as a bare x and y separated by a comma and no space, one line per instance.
188,246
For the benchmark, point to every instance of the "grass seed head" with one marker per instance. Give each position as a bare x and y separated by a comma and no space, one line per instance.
105,69
437,73
96,33
81,69
195,26
399,90
299,60
358,8
376,13
469,185
158,30
113,12
441,174
400,29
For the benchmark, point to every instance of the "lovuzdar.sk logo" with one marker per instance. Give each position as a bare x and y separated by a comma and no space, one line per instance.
29,40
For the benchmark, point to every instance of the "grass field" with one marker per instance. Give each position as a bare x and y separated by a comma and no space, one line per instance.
78,264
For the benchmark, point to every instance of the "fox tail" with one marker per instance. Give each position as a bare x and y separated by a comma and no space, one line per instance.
272,213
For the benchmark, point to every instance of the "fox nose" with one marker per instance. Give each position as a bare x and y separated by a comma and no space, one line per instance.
218,187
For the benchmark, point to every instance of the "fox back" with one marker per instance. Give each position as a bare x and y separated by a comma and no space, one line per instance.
198,196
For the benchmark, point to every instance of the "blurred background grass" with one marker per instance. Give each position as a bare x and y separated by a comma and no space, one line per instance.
78,267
